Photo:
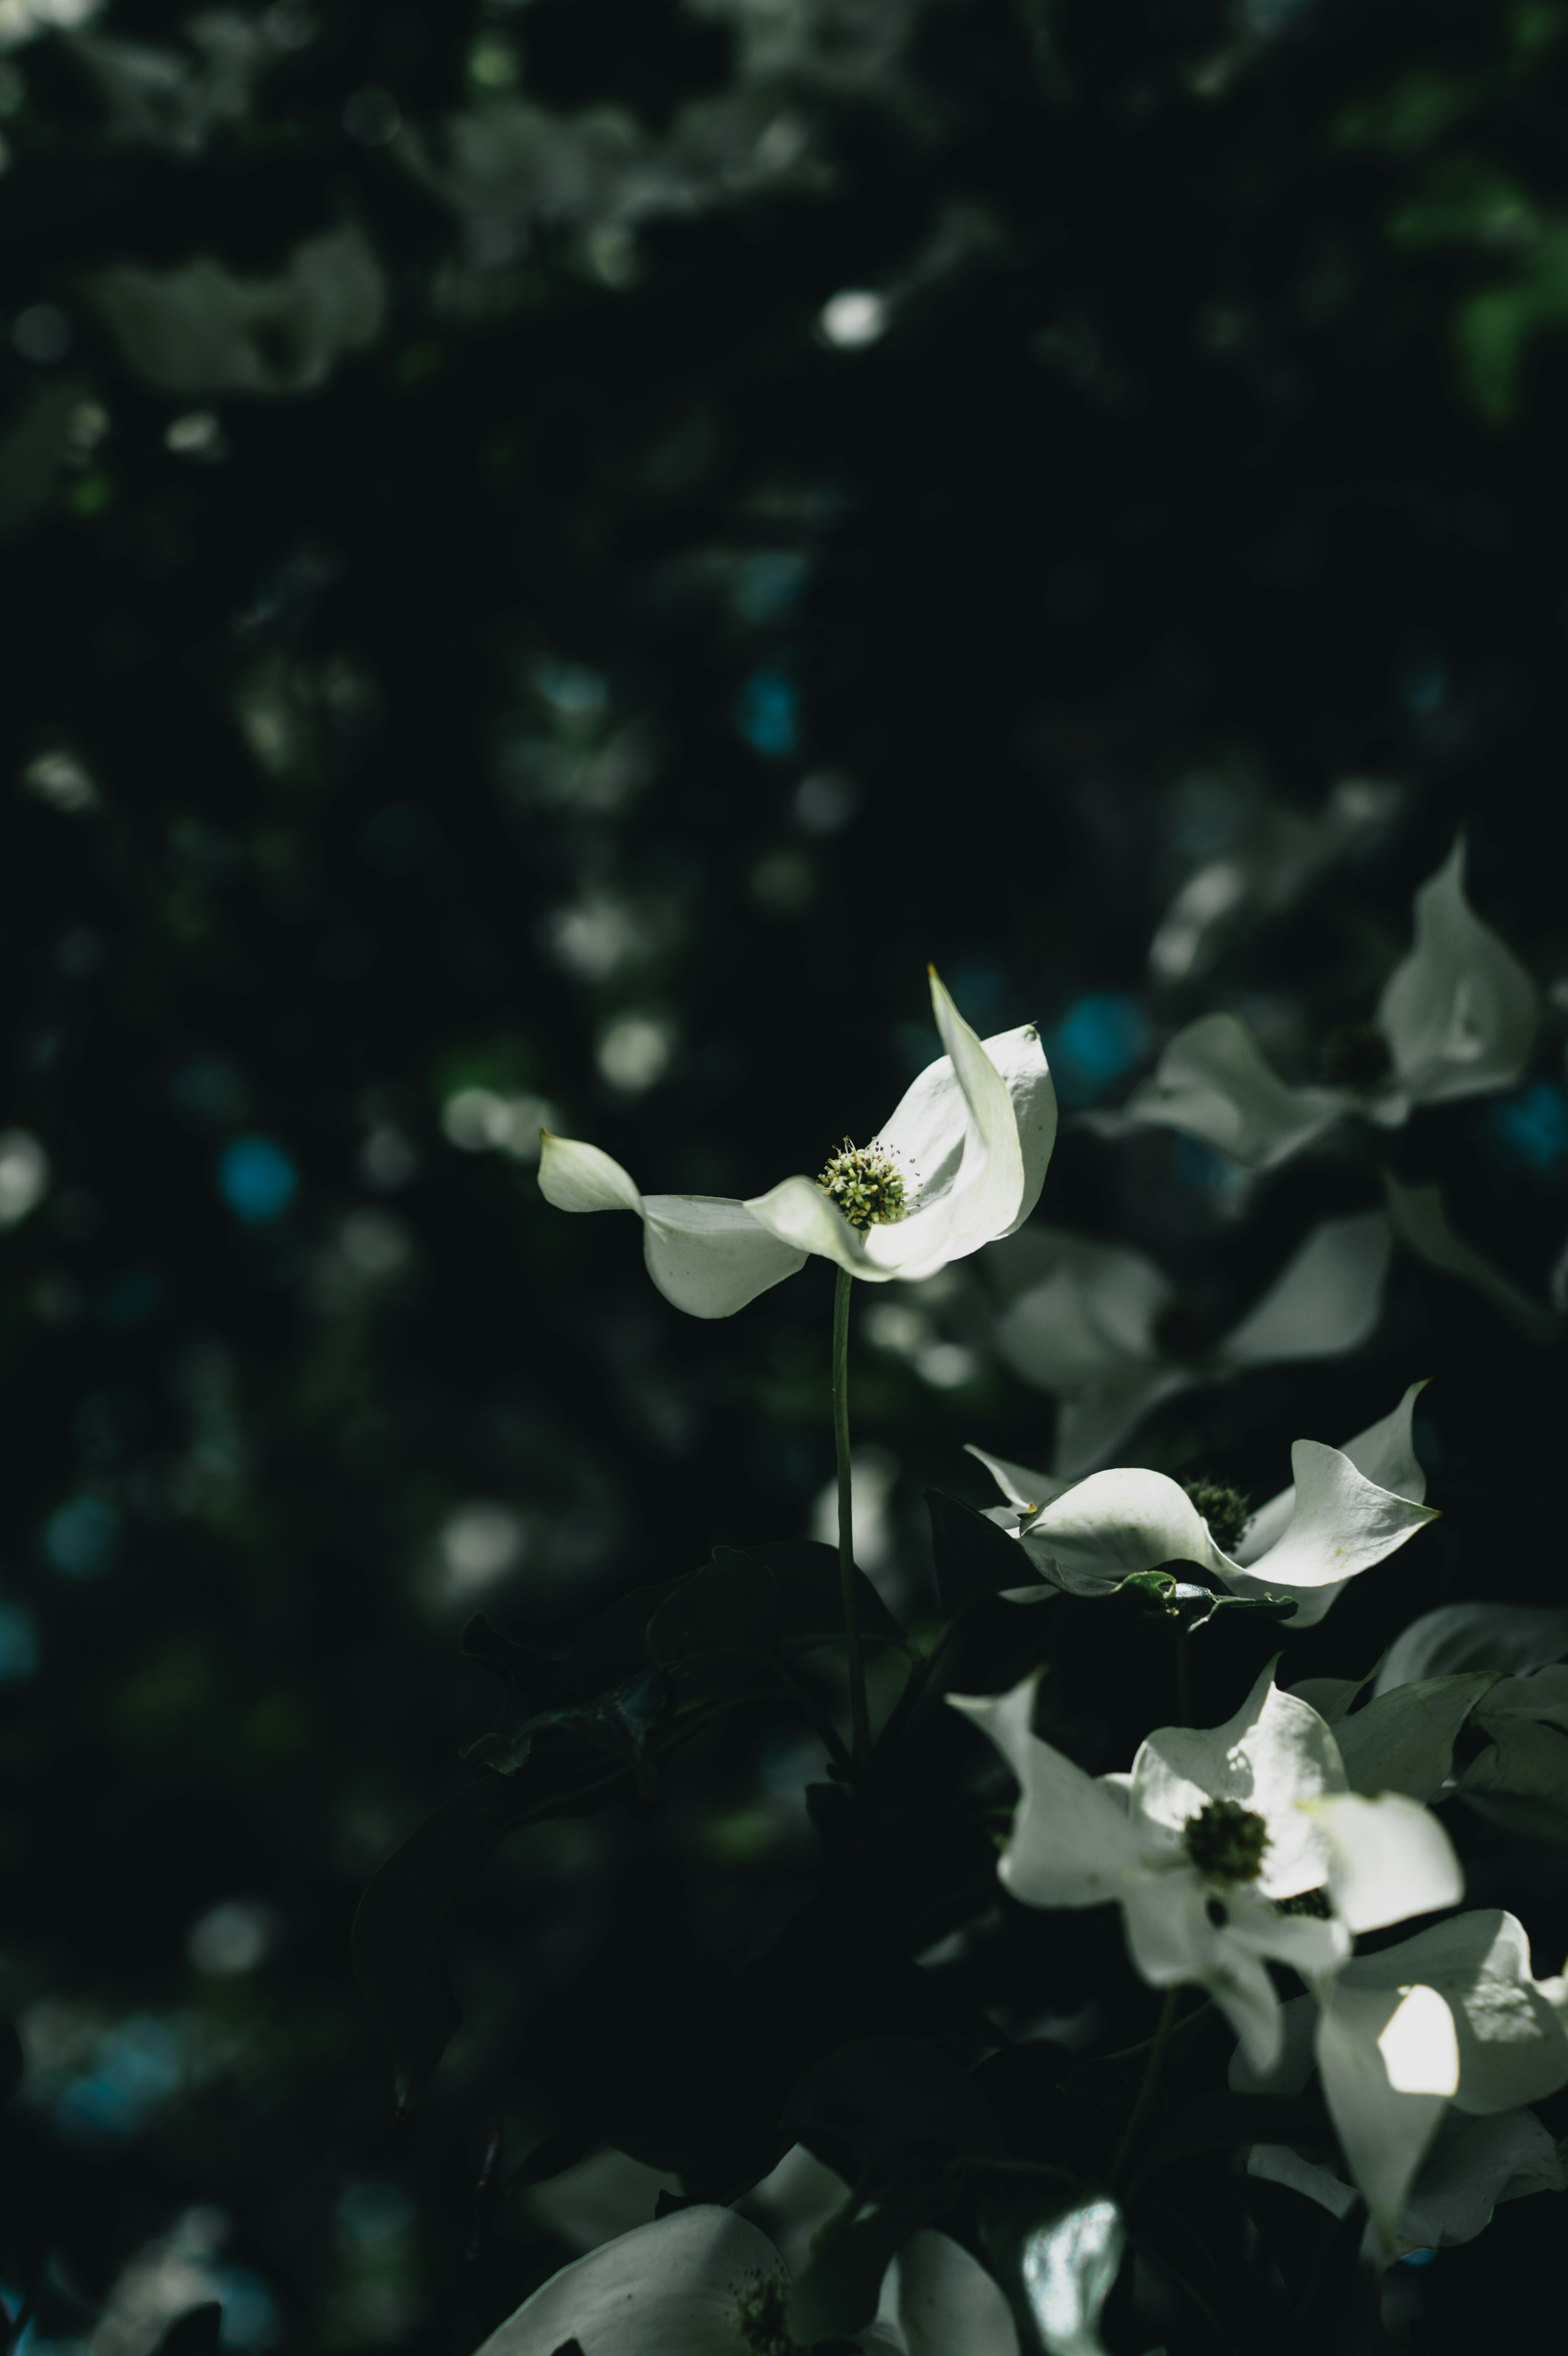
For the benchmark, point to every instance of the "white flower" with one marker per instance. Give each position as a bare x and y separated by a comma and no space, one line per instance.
1451,2016
704,2282
1347,1508
960,1162
1097,1324
1471,2166
1208,1841
1456,1019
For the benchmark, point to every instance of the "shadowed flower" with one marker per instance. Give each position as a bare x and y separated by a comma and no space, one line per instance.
1345,1509
1104,1329
1456,1018
1426,2050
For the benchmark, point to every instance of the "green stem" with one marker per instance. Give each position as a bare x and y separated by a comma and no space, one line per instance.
858,1718
1149,2089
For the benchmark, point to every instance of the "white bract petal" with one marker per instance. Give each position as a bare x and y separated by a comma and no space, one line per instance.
1327,1301
706,1253
1071,1844
1389,1858
1459,1014
1419,1220
1274,1754
1474,2165
1116,1523
1471,2166
1388,2060
972,1138
1511,2028
1383,1454
936,2300
1179,1932
1092,1313
684,2286
1212,1082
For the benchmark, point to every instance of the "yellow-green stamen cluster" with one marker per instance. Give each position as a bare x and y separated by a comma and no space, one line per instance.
1226,1840
867,1184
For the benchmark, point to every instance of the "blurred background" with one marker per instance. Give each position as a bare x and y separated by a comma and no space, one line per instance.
555,554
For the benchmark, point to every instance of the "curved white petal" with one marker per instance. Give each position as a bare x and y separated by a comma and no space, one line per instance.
708,1256
1327,1301
1028,1491
1274,1752
1419,1220
1475,1636
1123,1520
1021,1059
1472,2166
1092,1423
677,2287
1071,1844
1340,1523
578,1177
1459,1013
1512,2038
1173,1938
1404,1742
957,1134
1389,2058
938,2300
1383,1454
1092,1314
1389,1858
1212,1082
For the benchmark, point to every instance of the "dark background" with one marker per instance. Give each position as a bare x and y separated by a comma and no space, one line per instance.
588,683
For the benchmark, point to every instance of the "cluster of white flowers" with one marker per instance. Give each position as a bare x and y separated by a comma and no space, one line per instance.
1303,1824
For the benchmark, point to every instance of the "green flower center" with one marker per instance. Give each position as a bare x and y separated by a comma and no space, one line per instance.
1356,1055
867,1184
1224,1509
1226,1841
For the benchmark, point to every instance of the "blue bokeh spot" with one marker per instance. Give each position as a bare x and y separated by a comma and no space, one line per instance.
1096,1042
80,1537
136,2067
18,1645
765,713
256,1180
1530,1130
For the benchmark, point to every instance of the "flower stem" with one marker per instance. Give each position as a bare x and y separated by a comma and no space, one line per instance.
1149,2089
860,1721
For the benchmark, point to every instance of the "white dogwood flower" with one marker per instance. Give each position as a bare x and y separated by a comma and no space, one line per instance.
1225,1848
1107,1332
1456,1018
704,2282
1449,2022
1345,1509
960,1162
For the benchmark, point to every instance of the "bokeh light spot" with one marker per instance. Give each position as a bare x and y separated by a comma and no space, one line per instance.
256,1180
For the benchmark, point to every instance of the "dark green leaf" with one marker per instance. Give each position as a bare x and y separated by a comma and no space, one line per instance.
974,1557
12,2063
399,1931
883,2097
194,2333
